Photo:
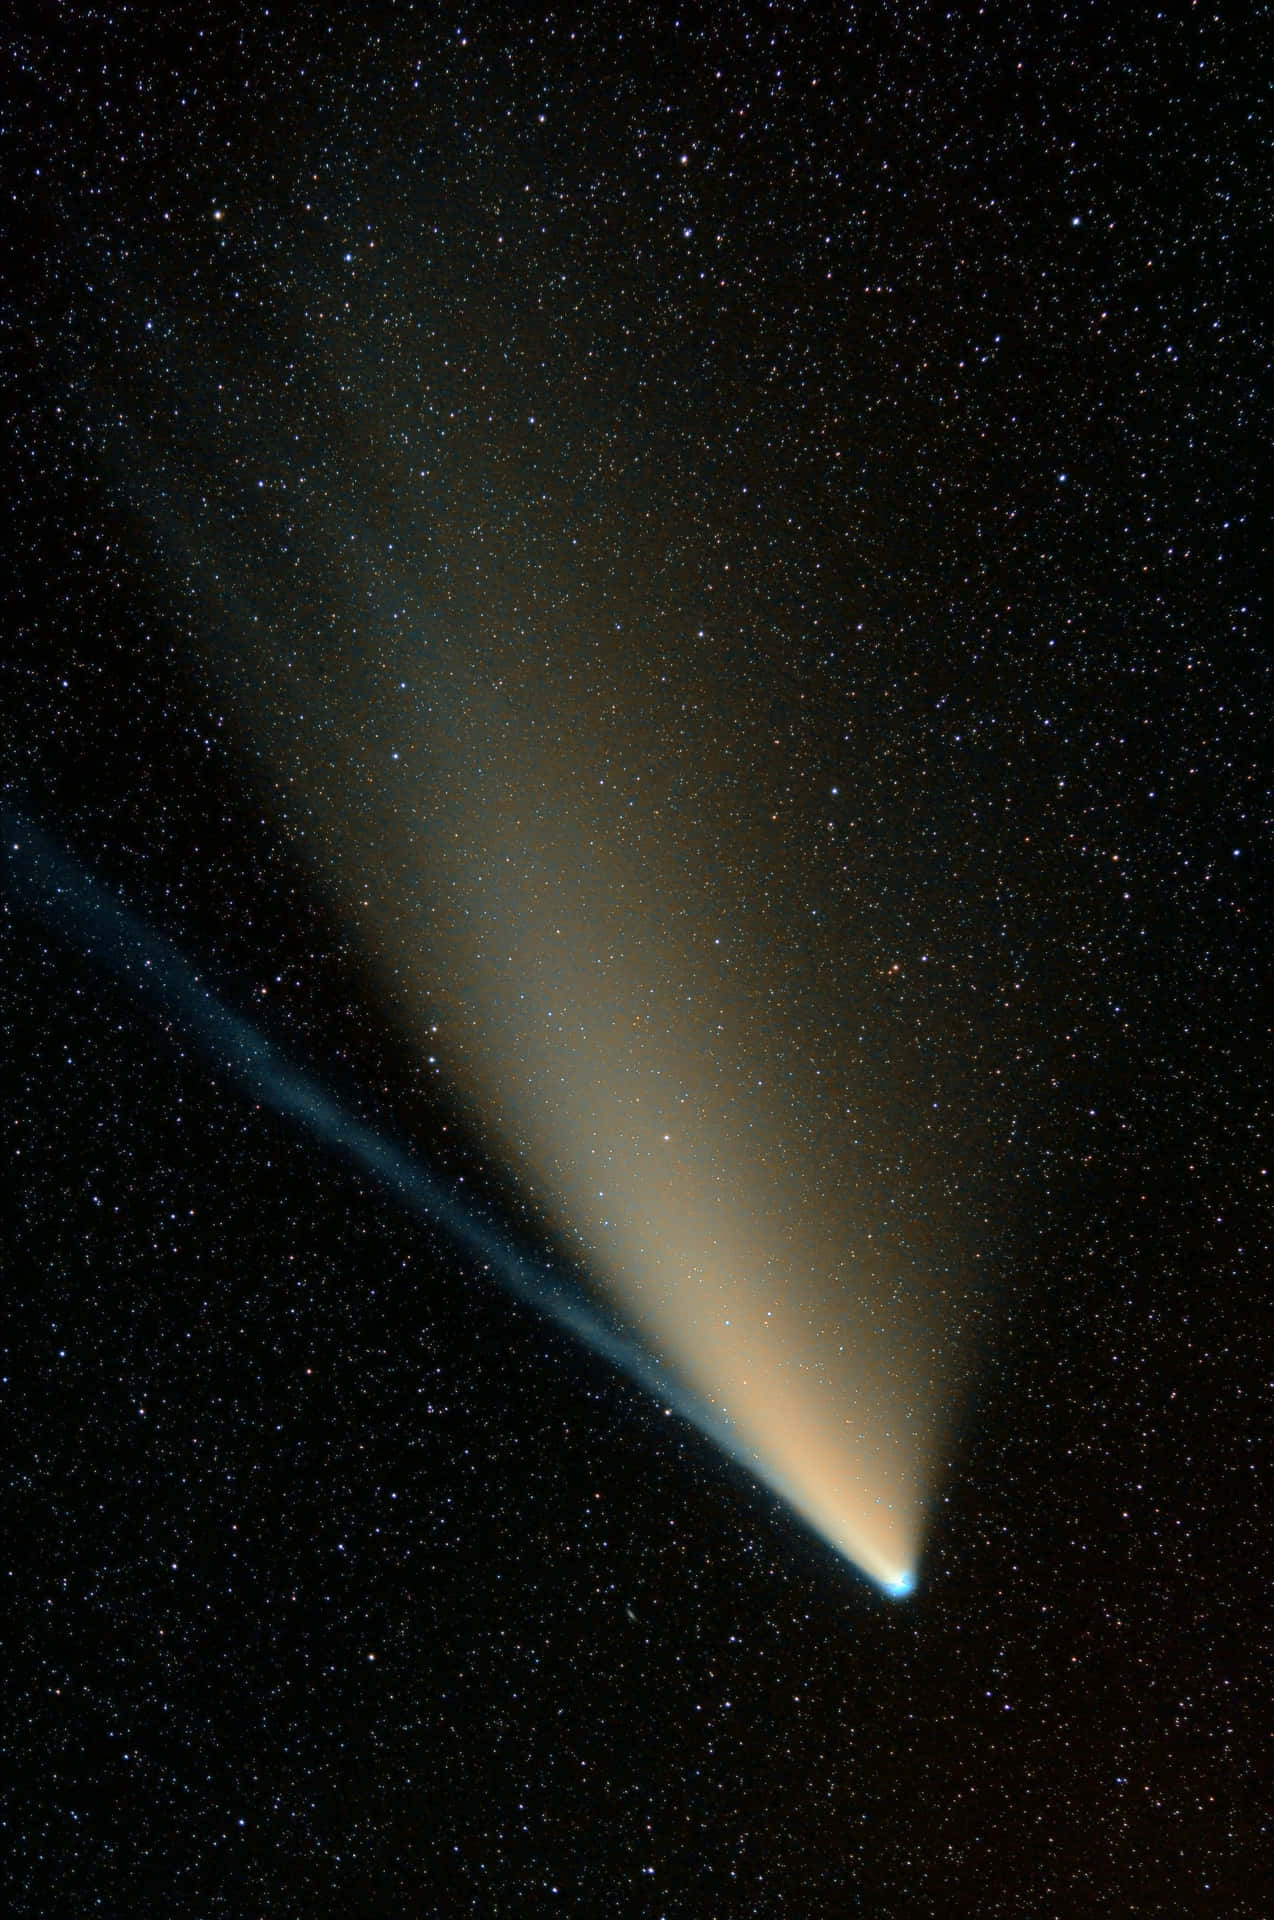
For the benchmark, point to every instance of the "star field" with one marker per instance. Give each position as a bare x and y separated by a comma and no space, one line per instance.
673,607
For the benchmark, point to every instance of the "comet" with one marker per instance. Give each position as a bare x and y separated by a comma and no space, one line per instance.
825,1485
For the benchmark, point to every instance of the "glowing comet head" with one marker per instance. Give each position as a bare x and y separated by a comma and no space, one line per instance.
901,1584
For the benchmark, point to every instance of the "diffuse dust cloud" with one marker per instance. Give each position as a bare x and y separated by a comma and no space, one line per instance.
645,1035
650,911
583,906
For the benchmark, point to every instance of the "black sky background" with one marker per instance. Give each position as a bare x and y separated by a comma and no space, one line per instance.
337,1584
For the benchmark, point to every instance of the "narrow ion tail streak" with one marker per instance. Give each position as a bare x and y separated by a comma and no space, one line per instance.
66,896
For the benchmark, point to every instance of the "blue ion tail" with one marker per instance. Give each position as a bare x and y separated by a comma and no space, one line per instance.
67,897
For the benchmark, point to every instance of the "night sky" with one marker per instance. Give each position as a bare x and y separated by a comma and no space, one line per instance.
665,615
